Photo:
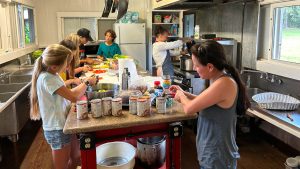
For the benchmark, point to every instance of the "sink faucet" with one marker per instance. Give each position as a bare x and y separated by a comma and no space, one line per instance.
263,75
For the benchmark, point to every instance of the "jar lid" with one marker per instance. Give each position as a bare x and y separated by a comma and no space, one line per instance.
106,98
156,83
95,100
117,100
142,100
81,102
166,77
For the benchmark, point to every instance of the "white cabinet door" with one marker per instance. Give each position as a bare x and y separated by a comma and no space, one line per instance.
130,33
136,51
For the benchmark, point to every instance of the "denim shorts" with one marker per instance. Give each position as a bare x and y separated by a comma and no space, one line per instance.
57,139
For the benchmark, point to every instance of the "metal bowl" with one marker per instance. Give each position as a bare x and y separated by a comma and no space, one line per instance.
111,91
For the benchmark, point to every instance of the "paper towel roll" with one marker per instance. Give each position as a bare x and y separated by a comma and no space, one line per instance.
127,63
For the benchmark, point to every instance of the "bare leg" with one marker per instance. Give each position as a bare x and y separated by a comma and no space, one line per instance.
61,157
74,160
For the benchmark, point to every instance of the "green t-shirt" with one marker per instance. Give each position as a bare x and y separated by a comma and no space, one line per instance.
108,51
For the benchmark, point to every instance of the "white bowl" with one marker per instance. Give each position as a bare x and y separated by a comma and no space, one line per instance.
115,155
292,162
276,101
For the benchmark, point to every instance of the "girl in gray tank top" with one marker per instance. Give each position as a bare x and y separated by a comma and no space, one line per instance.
218,106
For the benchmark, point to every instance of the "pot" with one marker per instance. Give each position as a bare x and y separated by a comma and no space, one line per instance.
115,155
186,63
151,151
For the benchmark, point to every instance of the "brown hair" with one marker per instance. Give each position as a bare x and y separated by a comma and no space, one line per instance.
159,30
70,74
53,55
212,52
112,33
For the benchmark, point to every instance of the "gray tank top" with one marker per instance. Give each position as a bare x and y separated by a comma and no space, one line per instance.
216,145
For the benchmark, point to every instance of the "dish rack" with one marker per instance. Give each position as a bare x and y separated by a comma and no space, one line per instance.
276,101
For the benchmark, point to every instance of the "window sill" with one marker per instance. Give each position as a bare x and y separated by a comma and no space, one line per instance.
11,55
289,70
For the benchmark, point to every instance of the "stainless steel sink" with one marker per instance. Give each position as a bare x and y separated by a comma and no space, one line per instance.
253,91
14,87
23,71
5,96
16,114
19,78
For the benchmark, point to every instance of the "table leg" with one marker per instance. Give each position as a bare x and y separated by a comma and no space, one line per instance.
177,152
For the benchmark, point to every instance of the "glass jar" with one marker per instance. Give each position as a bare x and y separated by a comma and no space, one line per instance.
166,81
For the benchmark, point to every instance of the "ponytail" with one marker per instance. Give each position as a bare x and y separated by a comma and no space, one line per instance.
243,102
34,106
53,55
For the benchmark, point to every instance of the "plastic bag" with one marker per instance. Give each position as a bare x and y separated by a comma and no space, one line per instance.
138,83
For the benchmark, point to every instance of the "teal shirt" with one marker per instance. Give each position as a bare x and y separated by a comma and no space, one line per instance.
108,51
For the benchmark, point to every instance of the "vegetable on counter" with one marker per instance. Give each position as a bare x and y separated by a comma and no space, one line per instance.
98,71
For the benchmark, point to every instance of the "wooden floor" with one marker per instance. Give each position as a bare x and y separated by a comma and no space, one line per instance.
255,152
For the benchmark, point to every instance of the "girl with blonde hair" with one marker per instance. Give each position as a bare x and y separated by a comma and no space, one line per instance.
76,40
50,100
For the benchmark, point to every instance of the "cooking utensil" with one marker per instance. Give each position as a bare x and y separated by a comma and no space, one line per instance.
115,6
186,63
152,151
108,4
115,155
122,8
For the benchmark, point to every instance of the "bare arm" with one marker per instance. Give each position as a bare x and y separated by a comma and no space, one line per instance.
74,94
213,95
169,45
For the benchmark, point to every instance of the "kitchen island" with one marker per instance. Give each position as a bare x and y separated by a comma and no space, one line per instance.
95,131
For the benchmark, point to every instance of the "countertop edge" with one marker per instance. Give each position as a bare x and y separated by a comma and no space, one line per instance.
275,121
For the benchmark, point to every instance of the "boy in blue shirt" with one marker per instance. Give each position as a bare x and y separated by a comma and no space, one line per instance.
109,48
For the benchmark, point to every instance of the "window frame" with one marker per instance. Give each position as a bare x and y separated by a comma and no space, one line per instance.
62,15
23,26
272,32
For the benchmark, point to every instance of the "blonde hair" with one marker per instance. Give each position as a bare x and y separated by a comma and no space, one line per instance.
76,40
53,55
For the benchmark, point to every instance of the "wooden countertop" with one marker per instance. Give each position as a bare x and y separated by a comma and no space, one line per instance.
73,125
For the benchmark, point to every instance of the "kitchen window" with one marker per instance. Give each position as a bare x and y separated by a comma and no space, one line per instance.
26,26
71,25
286,33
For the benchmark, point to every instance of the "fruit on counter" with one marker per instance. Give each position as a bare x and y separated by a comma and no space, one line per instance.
98,71
117,56
36,54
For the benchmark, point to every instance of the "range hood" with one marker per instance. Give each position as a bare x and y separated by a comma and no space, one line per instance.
181,4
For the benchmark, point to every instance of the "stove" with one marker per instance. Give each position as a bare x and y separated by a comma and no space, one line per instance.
188,80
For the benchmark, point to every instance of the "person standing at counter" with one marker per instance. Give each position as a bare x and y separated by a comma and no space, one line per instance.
162,52
50,100
109,48
85,37
218,106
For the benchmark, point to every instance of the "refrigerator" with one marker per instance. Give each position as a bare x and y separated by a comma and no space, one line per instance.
132,41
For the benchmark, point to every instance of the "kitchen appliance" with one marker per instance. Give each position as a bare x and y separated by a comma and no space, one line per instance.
186,63
151,151
116,155
132,41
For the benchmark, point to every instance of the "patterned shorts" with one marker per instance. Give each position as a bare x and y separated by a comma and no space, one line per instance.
57,139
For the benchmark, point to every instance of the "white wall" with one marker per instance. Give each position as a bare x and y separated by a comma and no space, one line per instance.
46,13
